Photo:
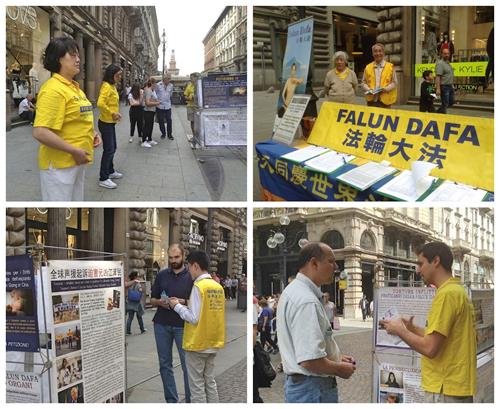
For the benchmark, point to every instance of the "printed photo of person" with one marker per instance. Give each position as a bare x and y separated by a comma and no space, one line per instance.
66,308
69,370
390,397
68,339
19,303
391,379
73,394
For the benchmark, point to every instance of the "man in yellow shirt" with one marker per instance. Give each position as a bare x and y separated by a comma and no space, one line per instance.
448,343
189,95
204,329
379,80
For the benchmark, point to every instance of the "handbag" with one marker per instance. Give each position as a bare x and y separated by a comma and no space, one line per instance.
263,368
134,295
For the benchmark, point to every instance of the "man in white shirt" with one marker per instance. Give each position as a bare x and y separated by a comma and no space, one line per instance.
27,109
311,357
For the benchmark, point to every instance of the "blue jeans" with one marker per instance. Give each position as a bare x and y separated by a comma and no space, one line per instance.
311,389
164,115
108,135
131,314
447,98
165,335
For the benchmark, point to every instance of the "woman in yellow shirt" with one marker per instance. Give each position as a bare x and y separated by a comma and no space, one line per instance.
64,125
109,108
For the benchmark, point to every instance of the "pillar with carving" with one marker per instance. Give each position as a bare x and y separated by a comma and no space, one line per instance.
136,243
15,231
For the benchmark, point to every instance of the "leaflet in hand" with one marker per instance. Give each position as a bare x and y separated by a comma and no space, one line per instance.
328,162
455,192
374,91
303,154
366,175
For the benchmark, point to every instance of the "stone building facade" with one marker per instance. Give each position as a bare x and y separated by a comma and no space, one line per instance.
374,246
209,51
123,35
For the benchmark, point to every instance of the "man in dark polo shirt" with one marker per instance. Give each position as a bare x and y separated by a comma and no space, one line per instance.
174,281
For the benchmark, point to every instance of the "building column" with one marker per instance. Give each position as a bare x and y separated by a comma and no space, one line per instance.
352,295
81,75
56,234
16,231
136,243
90,71
96,229
98,66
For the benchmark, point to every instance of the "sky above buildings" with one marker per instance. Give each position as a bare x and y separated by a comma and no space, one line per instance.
186,25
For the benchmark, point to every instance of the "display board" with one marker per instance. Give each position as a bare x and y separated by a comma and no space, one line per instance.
223,90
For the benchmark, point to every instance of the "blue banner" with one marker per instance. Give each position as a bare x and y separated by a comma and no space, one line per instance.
21,315
296,62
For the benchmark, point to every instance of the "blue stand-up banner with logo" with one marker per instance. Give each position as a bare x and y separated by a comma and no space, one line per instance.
21,315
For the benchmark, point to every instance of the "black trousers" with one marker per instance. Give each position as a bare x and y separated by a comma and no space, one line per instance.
149,119
136,115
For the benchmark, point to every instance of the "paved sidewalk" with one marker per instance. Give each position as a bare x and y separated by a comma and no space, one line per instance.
169,171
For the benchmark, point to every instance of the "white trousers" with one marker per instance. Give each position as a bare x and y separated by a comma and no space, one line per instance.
201,371
63,185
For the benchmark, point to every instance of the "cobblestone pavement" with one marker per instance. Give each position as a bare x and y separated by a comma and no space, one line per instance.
232,384
354,341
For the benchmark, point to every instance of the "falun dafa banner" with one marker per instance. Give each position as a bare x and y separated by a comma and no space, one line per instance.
462,147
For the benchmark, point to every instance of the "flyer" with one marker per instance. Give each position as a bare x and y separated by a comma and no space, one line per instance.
399,384
401,302
88,335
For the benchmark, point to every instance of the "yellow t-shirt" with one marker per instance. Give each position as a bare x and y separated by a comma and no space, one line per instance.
108,102
63,108
453,371
189,94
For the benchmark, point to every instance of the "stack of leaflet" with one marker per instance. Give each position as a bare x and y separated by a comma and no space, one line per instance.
455,192
410,186
303,154
364,176
328,162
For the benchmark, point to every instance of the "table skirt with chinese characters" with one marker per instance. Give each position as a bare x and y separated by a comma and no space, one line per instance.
284,180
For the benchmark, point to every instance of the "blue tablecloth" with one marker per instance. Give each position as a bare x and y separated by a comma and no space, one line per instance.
292,182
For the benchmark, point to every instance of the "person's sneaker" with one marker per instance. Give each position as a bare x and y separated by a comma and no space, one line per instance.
108,184
131,139
152,143
116,175
144,330
145,145
162,137
170,137
128,333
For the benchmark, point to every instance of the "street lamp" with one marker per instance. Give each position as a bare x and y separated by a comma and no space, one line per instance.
279,238
164,43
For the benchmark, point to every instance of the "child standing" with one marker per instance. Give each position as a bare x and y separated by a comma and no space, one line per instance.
427,92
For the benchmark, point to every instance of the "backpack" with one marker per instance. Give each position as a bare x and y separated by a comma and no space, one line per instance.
264,372
134,295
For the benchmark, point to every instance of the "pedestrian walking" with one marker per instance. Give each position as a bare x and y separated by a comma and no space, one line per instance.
204,330
448,342
136,111
329,308
364,306
311,357
176,282
150,103
64,125
189,94
234,287
264,326
164,91
227,287
379,80
109,109
134,303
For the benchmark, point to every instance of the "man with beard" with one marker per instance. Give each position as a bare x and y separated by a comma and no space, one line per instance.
448,342
174,281
444,81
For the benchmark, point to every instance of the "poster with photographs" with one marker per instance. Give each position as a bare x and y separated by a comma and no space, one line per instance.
399,384
400,302
88,336
484,307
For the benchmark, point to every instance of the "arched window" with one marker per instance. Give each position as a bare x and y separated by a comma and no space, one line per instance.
334,239
367,241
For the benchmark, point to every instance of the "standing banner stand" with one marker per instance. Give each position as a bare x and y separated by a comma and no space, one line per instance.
396,368
80,312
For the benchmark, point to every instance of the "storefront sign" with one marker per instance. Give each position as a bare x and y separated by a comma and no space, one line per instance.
196,239
26,15
296,61
87,305
462,147
460,69
21,321
221,245
224,91
23,387
466,88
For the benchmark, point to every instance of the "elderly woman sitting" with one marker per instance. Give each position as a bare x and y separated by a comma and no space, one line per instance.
341,82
